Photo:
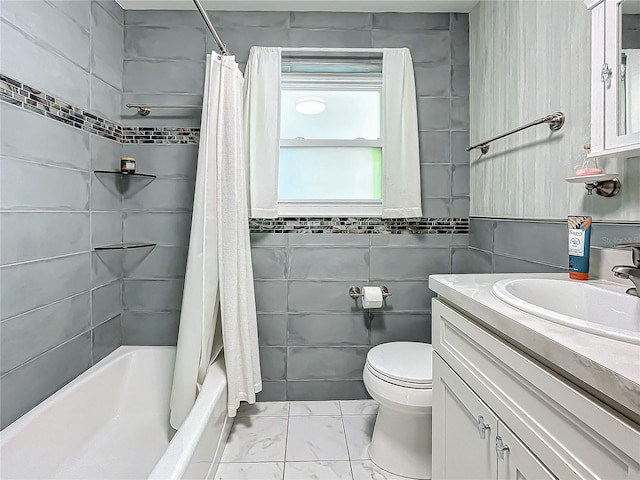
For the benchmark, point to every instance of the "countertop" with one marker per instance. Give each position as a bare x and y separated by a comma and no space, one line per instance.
608,369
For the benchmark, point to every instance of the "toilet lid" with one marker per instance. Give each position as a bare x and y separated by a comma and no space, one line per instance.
402,363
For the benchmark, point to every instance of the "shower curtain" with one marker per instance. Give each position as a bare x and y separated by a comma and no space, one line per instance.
218,292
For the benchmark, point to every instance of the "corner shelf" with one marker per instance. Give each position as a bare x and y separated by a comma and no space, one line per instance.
122,258
602,177
126,184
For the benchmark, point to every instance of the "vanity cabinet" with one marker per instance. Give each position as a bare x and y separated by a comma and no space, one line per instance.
476,445
500,414
615,78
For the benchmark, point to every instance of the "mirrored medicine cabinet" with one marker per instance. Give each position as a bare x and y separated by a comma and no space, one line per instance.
615,78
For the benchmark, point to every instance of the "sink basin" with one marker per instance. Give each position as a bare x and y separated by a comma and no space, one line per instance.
604,310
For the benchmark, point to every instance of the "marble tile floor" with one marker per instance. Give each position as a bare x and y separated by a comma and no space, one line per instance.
302,441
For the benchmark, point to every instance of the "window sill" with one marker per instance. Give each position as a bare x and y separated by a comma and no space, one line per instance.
295,209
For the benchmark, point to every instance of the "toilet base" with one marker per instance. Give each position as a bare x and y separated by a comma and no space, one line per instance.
401,442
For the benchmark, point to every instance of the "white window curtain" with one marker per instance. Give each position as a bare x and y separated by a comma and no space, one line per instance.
400,156
401,162
262,129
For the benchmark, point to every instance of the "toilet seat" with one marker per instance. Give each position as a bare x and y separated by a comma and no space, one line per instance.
406,364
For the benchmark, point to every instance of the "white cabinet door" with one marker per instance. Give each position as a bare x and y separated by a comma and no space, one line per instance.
515,461
462,448
467,436
611,136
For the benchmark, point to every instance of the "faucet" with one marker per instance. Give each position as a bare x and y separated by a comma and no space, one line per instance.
629,272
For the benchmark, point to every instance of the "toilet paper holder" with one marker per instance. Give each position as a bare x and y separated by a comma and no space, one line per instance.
356,292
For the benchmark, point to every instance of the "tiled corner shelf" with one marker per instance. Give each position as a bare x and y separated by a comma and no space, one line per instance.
122,258
126,184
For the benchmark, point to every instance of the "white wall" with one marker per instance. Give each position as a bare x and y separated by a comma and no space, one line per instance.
529,59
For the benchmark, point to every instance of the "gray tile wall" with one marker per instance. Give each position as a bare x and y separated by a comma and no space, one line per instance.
61,307
160,214
522,246
313,337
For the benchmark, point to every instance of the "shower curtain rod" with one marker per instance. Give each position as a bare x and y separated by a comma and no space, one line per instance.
216,37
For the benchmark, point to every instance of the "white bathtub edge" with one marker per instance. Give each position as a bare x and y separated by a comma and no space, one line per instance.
226,429
176,459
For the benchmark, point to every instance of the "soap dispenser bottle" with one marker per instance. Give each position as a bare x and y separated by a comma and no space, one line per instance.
579,245
589,166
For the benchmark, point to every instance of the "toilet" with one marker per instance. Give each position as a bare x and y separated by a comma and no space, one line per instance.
398,376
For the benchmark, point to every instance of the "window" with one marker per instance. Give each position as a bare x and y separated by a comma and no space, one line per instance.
330,158
332,137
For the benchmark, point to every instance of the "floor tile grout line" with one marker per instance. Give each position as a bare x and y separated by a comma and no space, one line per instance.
314,461
286,441
250,461
323,415
344,429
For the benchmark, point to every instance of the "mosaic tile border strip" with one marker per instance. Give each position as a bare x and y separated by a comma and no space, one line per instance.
36,101
360,225
161,135
24,96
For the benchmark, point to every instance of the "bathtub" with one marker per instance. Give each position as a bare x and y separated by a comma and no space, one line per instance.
112,422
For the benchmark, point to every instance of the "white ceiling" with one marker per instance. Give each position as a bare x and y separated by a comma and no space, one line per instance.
307,5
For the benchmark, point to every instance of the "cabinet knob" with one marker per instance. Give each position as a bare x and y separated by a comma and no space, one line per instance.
501,447
483,427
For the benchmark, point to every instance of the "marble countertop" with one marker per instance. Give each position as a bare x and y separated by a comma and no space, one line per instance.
608,369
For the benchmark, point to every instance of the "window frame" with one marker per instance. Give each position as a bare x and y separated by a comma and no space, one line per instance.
340,82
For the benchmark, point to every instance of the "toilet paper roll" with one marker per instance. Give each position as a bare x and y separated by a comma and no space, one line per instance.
371,297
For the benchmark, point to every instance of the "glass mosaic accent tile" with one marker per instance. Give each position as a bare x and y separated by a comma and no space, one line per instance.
36,101
360,225
161,135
